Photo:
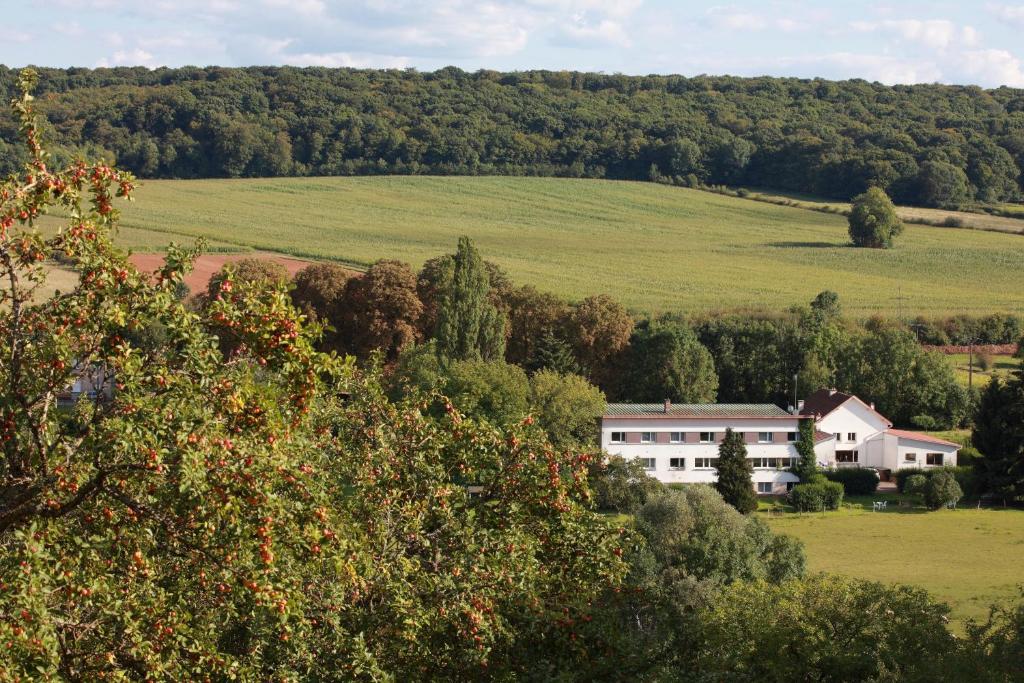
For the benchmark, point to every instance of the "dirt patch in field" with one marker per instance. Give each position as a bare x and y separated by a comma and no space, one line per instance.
208,264
993,349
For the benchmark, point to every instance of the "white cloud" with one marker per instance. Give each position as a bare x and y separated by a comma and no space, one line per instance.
995,67
136,57
69,28
307,8
933,33
345,59
733,19
871,67
1011,13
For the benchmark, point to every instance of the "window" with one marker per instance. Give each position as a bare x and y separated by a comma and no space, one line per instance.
792,437
704,463
839,437
847,456
618,437
910,457
770,463
790,485
933,459
646,437
707,437
648,463
676,437
851,437
765,437
677,463
764,487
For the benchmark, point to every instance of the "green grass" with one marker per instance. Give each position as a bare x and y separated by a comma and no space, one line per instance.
655,248
1002,366
968,558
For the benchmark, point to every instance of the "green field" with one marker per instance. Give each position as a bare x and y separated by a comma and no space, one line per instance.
655,248
1001,366
968,558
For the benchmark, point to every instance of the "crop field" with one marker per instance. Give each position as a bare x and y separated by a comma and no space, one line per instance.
999,366
914,546
966,219
655,248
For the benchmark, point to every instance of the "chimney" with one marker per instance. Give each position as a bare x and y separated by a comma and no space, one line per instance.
872,405
668,404
800,406
831,392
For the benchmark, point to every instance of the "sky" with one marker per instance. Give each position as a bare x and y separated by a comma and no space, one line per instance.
964,42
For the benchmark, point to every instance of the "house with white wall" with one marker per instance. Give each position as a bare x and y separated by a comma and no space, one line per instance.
679,443
862,437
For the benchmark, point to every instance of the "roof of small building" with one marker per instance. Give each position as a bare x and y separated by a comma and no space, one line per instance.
684,410
920,436
821,437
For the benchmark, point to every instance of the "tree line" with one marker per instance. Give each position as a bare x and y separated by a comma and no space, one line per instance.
414,323
929,145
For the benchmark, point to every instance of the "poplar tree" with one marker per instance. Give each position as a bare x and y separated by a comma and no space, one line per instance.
734,473
469,326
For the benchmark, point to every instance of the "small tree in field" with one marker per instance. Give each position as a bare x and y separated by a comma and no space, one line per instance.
873,220
734,473
942,489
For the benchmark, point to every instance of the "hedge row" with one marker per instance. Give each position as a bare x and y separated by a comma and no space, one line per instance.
820,494
965,476
856,481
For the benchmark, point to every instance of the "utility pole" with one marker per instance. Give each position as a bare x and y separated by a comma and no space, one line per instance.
970,364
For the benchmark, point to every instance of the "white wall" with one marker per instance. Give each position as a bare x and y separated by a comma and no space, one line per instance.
854,417
662,452
921,448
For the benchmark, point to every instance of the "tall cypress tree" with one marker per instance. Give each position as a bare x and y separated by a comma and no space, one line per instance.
734,473
999,435
469,326
807,464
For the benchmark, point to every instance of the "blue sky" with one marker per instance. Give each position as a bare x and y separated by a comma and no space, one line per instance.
892,42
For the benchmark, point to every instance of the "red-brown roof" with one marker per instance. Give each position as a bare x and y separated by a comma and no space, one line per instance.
921,436
822,436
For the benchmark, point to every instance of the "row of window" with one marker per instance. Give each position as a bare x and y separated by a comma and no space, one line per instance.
712,463
703,437
850,436
929,458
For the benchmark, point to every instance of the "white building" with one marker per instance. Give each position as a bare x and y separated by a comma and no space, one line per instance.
679,443
854,434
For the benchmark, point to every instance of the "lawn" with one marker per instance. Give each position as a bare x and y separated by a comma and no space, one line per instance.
968,558
653,247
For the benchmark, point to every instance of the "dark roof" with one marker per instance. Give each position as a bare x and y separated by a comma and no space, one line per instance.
920,436
723,410
824,401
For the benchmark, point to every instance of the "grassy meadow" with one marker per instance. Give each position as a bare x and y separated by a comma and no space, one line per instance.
911,545
653,247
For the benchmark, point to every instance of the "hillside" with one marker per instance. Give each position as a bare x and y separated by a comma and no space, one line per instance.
926,145
655,248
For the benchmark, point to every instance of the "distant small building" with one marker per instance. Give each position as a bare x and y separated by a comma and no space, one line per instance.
679,443
91,382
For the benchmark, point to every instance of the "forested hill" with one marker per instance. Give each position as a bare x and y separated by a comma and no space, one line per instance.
931,145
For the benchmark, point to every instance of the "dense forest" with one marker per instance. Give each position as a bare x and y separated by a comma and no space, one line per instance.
930,145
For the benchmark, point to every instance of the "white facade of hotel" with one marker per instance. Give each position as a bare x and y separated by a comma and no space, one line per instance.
683,449
679,444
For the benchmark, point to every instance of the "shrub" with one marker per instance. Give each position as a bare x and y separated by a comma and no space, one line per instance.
904,474
620,485
953,222
925,422
915,484
967,478
856,481
827,495
984,361
941,490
